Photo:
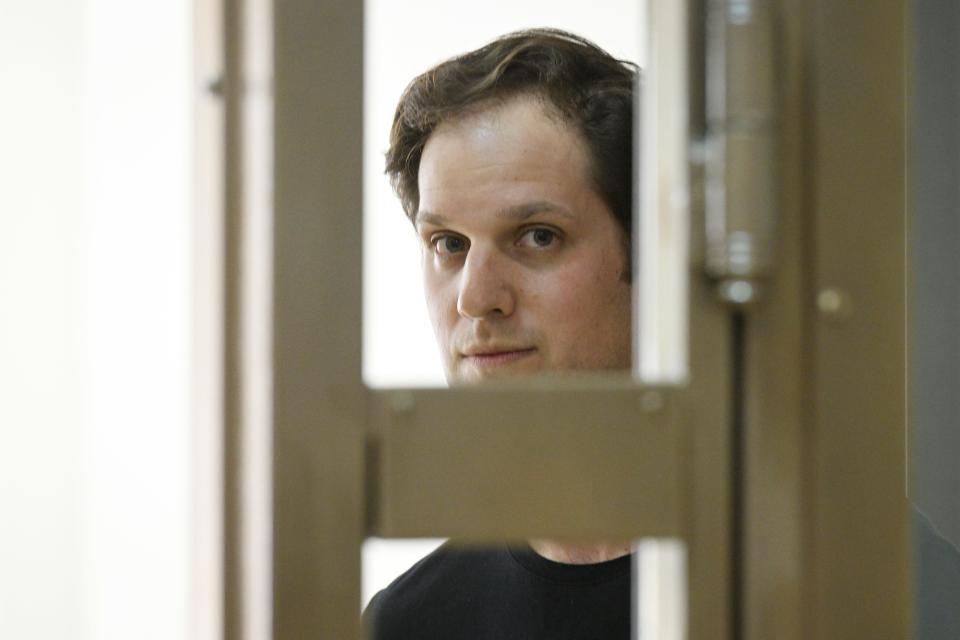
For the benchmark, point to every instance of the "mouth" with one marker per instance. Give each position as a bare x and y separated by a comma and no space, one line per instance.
490,359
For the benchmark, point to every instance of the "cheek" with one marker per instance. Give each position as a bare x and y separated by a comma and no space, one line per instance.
561,304
586,303
441,303
588,285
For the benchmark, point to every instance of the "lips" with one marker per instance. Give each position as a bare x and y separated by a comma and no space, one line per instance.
498,356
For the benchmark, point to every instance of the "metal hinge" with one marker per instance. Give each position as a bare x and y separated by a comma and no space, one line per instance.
739,151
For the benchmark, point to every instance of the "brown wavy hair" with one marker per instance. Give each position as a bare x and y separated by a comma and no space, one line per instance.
589,89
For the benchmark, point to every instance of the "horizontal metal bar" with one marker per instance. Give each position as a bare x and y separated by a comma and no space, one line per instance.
485,463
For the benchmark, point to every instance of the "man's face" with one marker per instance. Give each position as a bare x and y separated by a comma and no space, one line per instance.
523,263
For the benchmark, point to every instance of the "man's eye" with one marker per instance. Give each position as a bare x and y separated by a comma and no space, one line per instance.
538,238
446,245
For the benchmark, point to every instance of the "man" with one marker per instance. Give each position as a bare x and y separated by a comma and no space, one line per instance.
514,163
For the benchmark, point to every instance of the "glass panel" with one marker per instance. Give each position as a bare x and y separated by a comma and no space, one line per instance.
402,41
935,316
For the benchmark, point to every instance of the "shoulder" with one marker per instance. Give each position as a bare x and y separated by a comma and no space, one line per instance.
431,590
448,562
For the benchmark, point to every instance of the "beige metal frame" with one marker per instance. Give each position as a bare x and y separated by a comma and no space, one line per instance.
319,402
510,464
825,518
857,372
824,527
230,86
630,440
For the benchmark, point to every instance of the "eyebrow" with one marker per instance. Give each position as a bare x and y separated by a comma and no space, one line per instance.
529,209
429,217
518,212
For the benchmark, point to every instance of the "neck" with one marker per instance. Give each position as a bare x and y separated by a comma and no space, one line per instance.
580,552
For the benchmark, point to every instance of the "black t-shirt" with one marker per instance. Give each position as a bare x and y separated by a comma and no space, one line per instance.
503,593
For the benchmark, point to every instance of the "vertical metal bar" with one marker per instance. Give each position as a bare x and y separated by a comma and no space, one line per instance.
710,391
776,402
318,395
738,476
709,536
230,86
860,570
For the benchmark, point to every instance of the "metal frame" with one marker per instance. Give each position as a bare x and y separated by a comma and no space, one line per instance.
318,395
321,407
857,367
229,85
826,520
347,460
510,464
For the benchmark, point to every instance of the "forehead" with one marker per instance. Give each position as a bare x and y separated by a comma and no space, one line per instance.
503,156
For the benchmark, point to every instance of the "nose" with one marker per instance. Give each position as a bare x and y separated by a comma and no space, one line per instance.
486,289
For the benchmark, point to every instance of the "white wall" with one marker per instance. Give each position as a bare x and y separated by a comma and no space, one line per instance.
137,209
95,291
41,359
